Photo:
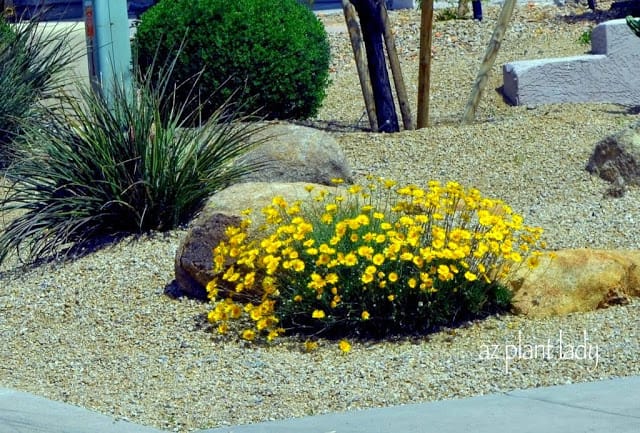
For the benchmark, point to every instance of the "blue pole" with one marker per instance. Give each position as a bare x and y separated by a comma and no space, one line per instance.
108,44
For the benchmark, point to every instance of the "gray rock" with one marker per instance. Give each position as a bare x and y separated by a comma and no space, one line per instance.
296,153
617,158
194,257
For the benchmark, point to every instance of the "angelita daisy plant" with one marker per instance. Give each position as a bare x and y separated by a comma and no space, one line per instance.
371,261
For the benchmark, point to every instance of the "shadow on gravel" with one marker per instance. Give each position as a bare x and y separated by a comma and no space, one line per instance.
334,125
632,110
616,10
71,252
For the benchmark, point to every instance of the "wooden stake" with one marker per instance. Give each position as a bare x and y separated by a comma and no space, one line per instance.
487,62
394,63
361,65
424,71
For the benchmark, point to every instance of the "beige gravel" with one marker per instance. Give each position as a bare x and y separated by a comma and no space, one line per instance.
99,333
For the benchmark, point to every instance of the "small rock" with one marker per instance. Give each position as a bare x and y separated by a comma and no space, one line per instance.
617,159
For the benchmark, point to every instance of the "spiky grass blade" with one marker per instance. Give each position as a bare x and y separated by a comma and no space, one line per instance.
33,59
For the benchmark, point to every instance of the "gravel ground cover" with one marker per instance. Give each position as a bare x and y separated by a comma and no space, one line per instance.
98,332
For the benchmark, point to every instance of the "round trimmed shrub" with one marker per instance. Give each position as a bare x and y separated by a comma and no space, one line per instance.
271,56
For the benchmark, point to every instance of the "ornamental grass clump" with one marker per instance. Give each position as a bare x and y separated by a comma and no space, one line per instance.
371,262
116,164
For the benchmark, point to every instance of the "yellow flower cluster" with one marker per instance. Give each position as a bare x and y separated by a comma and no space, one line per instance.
336,256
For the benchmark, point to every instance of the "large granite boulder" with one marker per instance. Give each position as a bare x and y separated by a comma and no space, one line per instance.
576,281
617,159
295,153
194,257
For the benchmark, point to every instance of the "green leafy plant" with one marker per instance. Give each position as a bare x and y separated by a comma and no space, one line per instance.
33,59
585,37
272,57
122,164
371,261
634,24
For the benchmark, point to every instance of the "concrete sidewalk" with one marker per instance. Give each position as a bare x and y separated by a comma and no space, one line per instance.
611,406
21,412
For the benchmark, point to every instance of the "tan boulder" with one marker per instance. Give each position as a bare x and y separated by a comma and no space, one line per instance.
194,257
575,281
295,153
256,196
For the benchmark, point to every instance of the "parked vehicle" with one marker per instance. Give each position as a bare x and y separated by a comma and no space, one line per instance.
61,10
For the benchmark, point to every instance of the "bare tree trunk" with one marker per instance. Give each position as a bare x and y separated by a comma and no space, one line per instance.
372,31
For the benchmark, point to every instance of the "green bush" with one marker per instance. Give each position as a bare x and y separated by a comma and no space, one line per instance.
271,55
33,60
372,261
110,166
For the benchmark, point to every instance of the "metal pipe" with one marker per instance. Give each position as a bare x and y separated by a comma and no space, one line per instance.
108,44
